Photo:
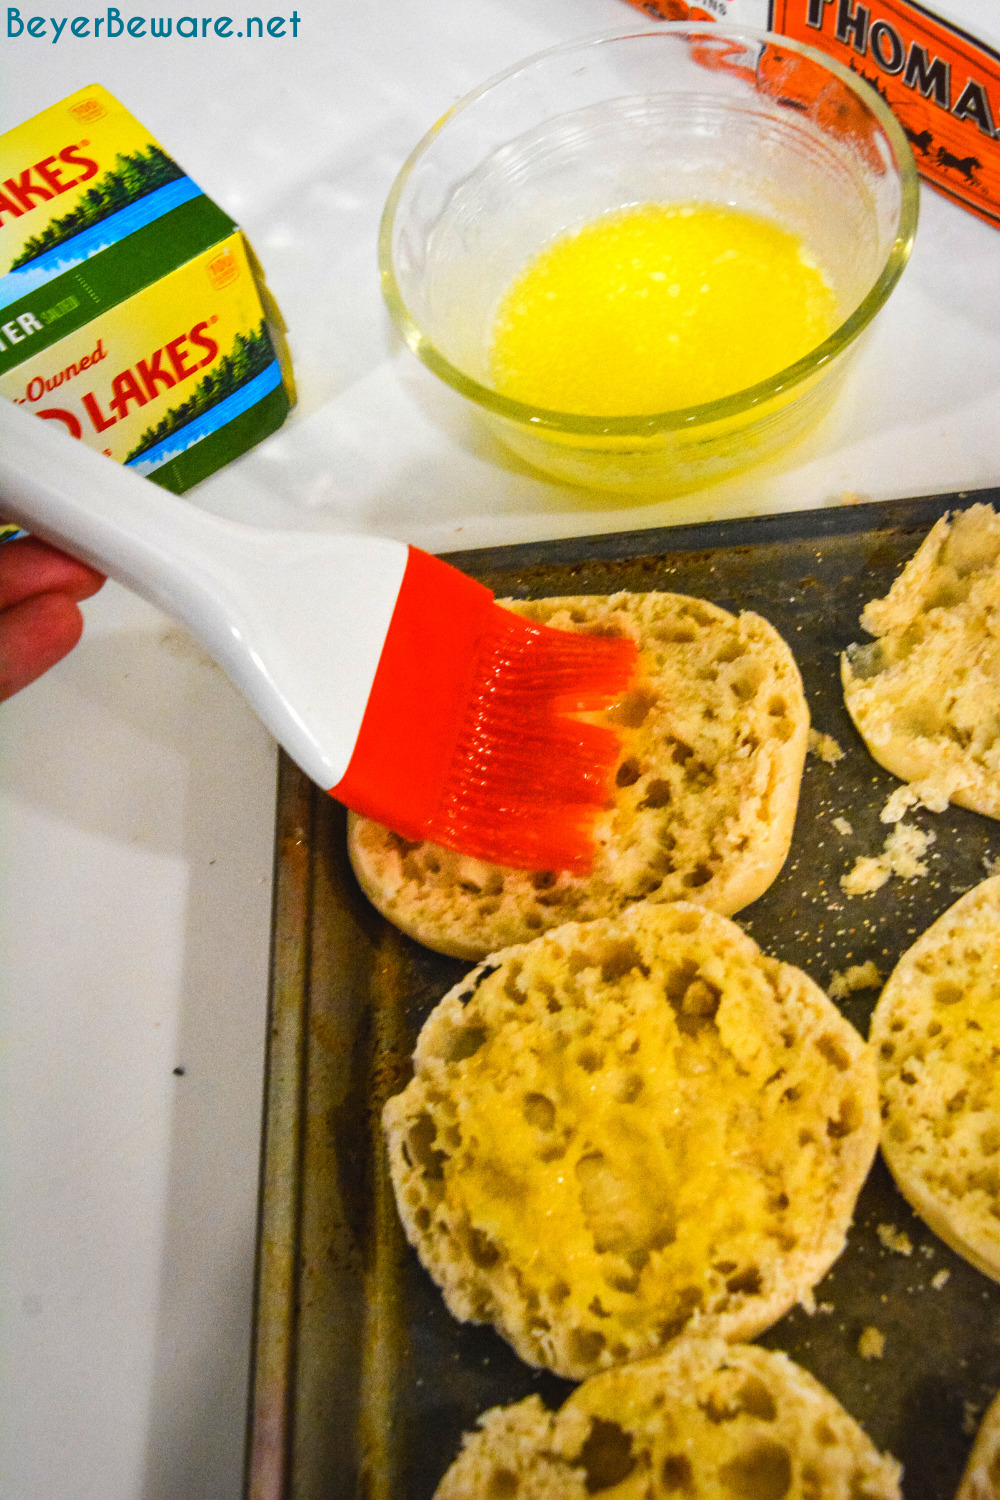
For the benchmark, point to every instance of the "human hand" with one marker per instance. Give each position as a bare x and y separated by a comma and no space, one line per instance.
40,590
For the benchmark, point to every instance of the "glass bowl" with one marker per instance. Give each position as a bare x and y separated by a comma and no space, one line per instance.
671,113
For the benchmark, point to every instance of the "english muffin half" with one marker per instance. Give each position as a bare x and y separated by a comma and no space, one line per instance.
925,694
713,743
628,1130
981,1480
705,1420
936,1036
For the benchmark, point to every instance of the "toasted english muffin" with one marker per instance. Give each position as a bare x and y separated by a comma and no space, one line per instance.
705,1420
714,740
981,1480
936,1036
925,694
631,1129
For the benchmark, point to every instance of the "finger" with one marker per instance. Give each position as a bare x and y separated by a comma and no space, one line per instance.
29,567
34,635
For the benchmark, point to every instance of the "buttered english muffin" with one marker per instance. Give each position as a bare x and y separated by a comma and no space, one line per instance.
714,740
705,1421
628,1130
981,1480
936,1036
925,694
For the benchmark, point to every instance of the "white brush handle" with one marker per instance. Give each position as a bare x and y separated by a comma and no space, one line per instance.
296,619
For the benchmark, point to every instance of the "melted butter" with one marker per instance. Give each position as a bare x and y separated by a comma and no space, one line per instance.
657,307
669,1151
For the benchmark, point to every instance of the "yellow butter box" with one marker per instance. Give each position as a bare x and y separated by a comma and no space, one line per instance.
132,308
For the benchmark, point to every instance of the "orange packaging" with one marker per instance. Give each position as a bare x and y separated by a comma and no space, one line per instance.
941,83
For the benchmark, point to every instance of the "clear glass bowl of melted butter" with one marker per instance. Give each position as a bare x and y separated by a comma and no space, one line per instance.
647,258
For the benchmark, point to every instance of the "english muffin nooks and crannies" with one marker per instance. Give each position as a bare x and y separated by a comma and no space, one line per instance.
981,1480
925,695
630,1129
713,744
936,1036
705,1421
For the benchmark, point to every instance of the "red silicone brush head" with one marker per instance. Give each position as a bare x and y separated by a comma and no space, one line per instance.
469,737
527,779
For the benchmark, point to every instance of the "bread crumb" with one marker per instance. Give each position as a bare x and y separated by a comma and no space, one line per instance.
933,792
940,1279
904,846
825,746
900,856
842,826
869,874
901,800
895,1239
855,977
871,1344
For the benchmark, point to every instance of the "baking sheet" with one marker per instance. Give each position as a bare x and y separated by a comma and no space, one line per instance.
362,1381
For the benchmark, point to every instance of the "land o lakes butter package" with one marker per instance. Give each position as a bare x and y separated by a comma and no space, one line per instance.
132,309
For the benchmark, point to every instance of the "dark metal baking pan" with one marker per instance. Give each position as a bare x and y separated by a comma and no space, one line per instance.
362,1381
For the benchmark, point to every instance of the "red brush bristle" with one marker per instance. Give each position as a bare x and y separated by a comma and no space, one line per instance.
527,779
468,737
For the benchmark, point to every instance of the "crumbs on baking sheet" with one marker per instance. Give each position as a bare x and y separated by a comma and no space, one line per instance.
871,1344
933,792
825,747
855,977
901,855
868,874
894,1239
940,1279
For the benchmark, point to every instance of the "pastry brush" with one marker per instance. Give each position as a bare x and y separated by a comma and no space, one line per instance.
392,679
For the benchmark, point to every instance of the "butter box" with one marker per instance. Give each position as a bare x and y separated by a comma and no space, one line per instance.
132,308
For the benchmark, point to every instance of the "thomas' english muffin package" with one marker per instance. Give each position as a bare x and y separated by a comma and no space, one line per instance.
940,79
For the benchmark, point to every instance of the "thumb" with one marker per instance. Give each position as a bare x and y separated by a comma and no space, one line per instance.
34,635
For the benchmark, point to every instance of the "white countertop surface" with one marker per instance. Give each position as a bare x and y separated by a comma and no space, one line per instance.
137,790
